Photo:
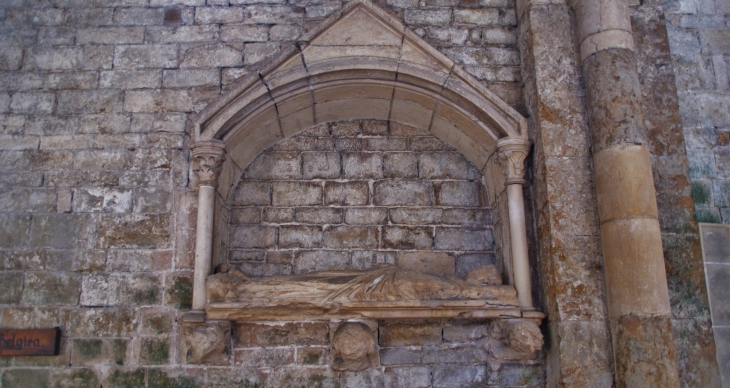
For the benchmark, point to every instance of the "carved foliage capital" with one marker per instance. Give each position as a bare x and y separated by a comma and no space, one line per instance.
208,157
512,153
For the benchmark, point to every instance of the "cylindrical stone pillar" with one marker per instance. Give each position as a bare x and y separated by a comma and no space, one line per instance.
636,283
512,152
209,156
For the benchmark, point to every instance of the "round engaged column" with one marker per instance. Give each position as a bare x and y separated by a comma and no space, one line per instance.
208,156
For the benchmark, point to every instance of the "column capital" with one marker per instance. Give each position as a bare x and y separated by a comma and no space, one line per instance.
209,156
512,152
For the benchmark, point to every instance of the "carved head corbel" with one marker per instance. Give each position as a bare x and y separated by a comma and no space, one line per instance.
354,347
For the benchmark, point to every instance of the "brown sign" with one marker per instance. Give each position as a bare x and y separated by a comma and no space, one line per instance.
30,342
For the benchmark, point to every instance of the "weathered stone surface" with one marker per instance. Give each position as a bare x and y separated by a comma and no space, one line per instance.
403,334
350,237
644,341
296,194
406,238
302,334
134,231
402,193
458,376
347,193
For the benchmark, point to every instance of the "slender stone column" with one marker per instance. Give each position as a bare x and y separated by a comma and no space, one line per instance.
209,156
513,152
638,299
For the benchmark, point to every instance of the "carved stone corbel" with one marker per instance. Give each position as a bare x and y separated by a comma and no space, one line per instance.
205,342
354,347
515,339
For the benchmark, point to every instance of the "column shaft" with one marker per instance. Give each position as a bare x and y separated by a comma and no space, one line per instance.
638,299
518,236
203,244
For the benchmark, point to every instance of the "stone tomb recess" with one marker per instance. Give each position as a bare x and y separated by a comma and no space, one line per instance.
380,210
356,222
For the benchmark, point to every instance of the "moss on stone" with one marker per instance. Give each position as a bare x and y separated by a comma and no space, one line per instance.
87,349
157,323
80,378
126,379
155,351
118,350
311,359
181,292
27,378
700,193
160,379
705,214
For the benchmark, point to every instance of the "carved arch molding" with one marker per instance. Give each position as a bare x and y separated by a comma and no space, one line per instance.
361,63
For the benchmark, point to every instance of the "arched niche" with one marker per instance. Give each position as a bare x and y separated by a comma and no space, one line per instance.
361,63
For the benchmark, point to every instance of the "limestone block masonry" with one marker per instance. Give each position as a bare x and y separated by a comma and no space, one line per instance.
102,103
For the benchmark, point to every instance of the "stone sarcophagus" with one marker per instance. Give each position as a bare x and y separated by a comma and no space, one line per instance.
353,302
385,292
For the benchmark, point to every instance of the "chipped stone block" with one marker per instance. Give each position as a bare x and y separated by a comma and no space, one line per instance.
320,165
415,193
366,216
350,193
102,200
440,264
311,261
441,17
32,102
458,193
54,58
145,56
300,236
296,194
211,55
294,333
463,239
400,165
319,215
188,78
263,358
246,33
42,288
398,237
274,165
252,236
278,215
257,52
404,334
351,237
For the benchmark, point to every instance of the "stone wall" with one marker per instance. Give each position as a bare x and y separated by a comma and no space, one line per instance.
349,195
95,208
698,35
